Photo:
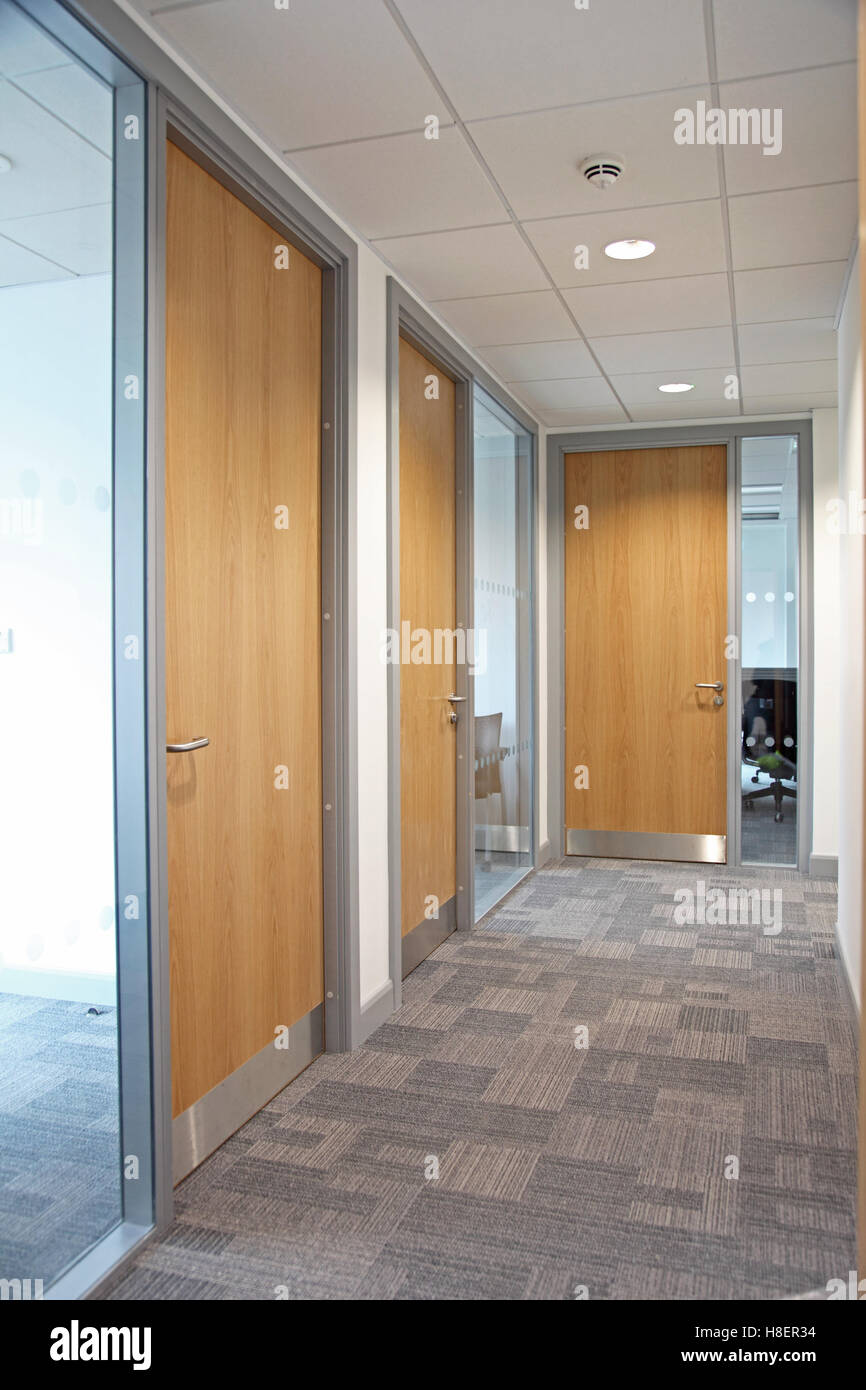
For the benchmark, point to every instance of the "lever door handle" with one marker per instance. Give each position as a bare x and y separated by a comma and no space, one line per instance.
455,699
710,685
187,747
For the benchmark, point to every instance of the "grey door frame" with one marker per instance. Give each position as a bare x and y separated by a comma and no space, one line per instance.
408,319
730,434
176,102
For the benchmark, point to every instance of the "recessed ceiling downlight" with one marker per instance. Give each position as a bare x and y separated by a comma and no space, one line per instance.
631,250
674,386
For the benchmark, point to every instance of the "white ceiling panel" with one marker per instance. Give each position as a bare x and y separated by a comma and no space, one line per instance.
52,167
77,98
648,306
18,266
475,261
755,36
817,130
642,388
508,318
535,158
321,71
24,47
563,394
689,240
78,239
541,361
646,352
802,224
682,408
800,291
579,419
796,340
790,405
494,56
403,183
788,378
342,92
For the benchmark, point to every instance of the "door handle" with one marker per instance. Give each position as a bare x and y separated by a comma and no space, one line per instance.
710,685
187,747
455,699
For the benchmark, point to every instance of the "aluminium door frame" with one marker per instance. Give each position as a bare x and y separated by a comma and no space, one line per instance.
407,318
175,101
730,434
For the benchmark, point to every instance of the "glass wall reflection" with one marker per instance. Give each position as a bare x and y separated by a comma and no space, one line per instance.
770,649
59,1095
502,681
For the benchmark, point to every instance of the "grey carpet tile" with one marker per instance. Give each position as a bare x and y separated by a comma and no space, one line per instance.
560,1106
59,1133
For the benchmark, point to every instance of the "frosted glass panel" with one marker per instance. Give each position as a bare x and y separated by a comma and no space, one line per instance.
502,597
770,657
59,1094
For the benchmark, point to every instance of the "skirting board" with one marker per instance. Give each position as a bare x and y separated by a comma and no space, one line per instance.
543,854
377,1010
823,866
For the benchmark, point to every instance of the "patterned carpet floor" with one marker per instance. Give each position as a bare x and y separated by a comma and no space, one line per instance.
59,1133
702,1145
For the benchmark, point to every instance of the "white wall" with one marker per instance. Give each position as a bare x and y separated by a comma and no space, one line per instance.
825,573
851,674
372,621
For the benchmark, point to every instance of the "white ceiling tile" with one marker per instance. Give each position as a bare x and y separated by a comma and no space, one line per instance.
647,352
18,266
24,47
784,228
535,158
508,318
688,237
541,361
321,71
642,388
682,408
789,405
476,261
773,35
798,291
563,394
817,130
646,306
78,239
403,183
495,56
52,167
78,98
580,419
796,340
789,378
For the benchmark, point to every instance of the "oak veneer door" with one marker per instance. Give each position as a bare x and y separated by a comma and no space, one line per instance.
428,606
645,623
243,659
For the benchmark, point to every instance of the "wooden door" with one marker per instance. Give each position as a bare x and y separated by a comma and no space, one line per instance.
645,621
243,660
428,611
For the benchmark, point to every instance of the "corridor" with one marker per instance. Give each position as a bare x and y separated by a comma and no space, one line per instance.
564,1171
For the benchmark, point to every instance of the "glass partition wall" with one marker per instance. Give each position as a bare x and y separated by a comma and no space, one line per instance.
770,649
502,545
75,1123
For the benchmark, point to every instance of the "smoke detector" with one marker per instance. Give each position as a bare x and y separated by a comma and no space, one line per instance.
601,170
